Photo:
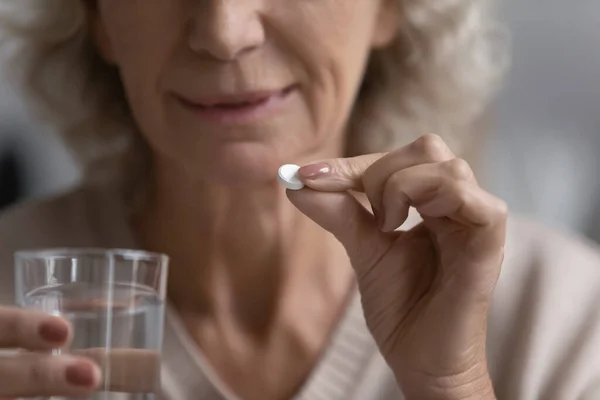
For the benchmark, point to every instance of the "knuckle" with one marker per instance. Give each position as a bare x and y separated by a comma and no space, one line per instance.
432,146
349,169
335,166
354,168
465,194
459,169
501,208
464,191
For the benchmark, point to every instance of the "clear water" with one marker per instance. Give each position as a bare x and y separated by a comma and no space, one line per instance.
119,327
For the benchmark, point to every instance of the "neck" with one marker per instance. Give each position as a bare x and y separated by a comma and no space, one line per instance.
238,252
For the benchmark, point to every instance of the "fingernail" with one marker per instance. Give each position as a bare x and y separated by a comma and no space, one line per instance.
81,375
54,331
314,171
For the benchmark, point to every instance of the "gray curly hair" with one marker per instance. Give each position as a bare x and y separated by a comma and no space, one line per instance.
437,76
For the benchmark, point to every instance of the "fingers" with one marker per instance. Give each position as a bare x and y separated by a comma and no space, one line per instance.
32,330
127,371
439,190
35,374
369,173
424,174
29,375
342,215
339,174
428,149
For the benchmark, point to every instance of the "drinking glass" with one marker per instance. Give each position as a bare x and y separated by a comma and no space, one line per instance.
115,301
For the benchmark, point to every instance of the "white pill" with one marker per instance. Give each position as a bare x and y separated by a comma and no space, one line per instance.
288,177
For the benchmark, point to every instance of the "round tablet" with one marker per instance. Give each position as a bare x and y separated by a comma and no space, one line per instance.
288,177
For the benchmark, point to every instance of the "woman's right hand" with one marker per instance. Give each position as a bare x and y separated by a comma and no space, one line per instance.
33,371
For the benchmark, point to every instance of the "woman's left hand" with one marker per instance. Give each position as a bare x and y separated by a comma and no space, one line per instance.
426,291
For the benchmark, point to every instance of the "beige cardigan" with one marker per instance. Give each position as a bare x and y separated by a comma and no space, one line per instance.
544,328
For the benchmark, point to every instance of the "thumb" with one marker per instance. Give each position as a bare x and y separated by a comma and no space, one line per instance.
341,214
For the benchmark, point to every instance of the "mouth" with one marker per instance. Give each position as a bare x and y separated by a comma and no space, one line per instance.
238,108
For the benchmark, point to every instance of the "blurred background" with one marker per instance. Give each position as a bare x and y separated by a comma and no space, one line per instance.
541,155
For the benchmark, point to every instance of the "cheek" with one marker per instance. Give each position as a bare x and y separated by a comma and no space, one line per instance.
332,43
144,35
147,104
147,107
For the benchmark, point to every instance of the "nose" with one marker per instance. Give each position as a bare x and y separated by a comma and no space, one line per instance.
226,29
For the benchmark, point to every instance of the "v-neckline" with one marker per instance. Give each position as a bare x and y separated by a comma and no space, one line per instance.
187,375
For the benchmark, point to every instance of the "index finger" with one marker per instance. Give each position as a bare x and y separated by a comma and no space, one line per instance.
338,174
370,172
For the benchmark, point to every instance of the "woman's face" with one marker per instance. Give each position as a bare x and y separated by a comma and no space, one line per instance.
228,90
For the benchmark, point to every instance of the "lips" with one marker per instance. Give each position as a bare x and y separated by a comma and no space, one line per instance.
236,101
237,108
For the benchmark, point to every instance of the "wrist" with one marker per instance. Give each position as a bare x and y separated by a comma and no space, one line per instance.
474,384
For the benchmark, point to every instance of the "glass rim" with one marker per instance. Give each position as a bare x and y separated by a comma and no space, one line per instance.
70,252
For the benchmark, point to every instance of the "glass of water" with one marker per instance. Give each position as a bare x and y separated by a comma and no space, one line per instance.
115,301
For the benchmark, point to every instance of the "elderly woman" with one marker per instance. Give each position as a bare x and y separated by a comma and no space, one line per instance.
182,112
